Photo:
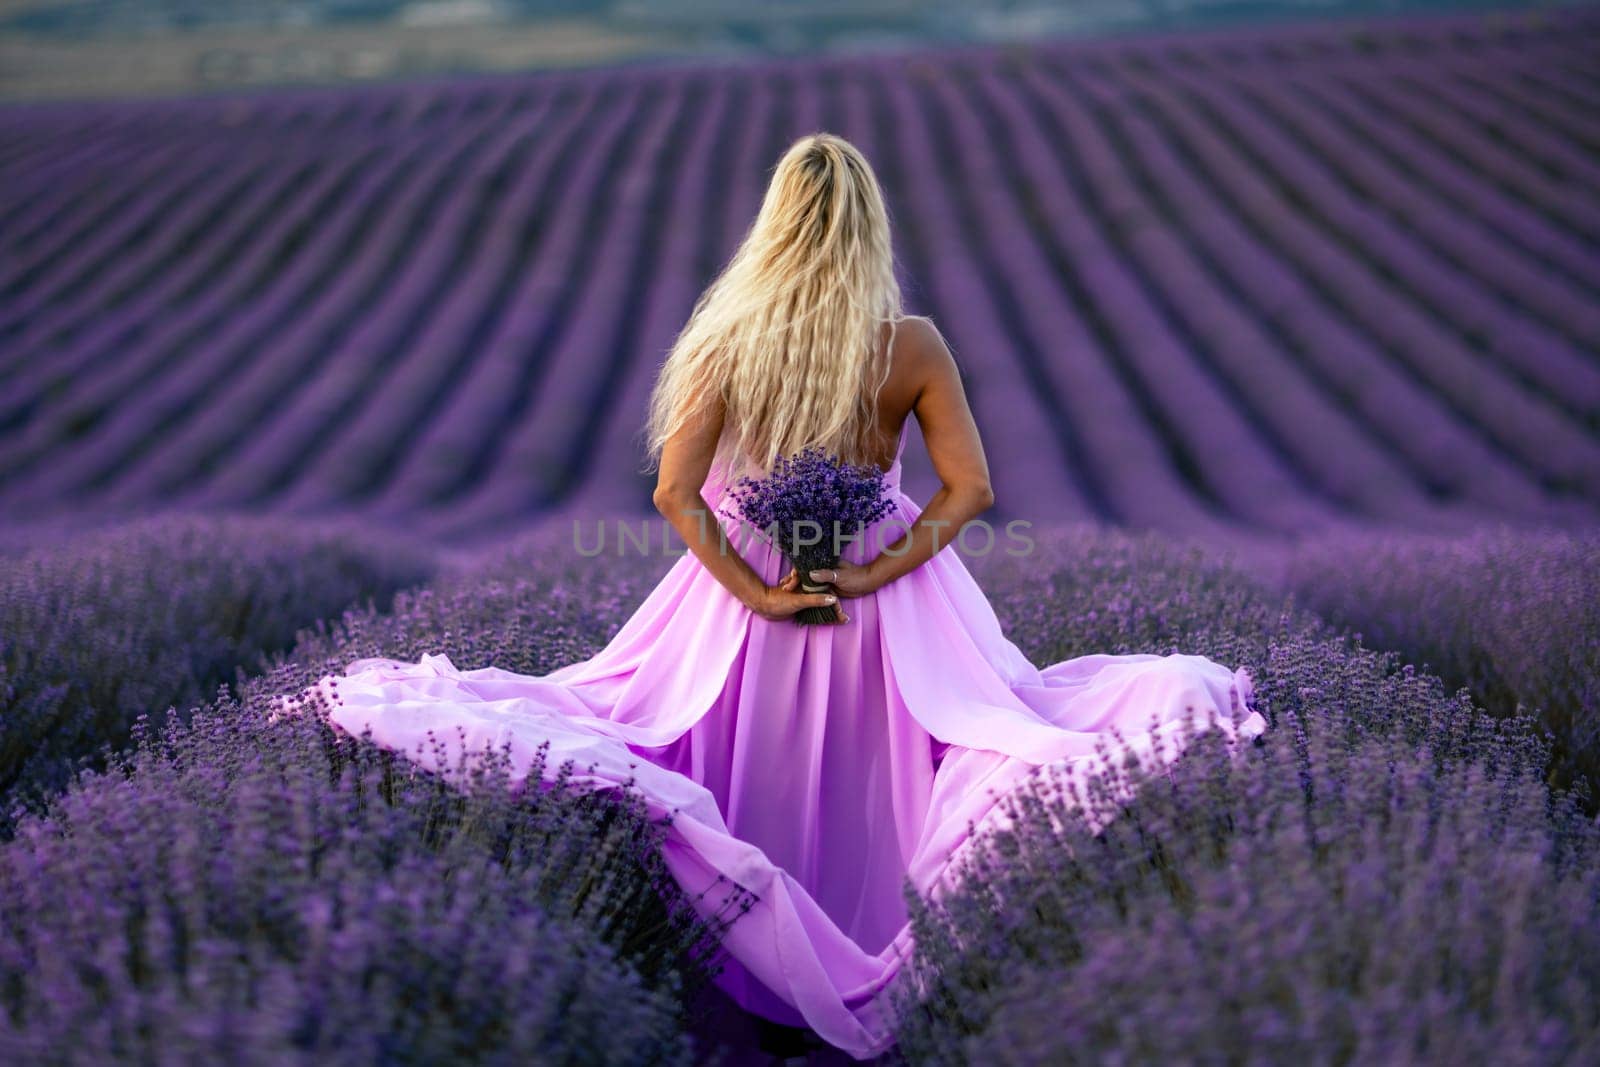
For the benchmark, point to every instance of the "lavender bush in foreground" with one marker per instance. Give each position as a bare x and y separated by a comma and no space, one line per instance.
258,891
1385,878
1315,902
153,614
1514,616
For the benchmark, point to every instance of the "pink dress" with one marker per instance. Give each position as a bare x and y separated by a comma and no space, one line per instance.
815,766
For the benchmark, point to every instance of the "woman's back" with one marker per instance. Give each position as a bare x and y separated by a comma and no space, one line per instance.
904,342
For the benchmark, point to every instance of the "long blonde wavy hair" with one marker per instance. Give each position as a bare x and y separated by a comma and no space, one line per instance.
787,333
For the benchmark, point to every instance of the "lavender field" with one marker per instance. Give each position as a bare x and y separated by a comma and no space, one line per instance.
1287,341
1257,283
1387,876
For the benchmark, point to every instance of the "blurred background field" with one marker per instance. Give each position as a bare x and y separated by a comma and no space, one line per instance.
320,321
1271,276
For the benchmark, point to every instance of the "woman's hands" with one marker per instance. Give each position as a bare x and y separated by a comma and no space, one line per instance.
781,601
848,579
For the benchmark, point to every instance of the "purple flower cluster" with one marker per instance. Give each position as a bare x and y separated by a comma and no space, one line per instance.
813,501
303,896
1513,615
155,614
1312,900
811,504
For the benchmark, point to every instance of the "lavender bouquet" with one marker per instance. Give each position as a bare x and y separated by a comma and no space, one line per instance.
805,504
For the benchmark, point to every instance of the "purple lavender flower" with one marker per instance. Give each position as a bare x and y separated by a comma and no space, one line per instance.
810,505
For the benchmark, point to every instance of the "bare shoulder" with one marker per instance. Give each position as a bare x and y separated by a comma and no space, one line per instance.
926,361
919,346
918,333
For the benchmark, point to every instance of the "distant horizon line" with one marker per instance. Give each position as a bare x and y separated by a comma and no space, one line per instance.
41,66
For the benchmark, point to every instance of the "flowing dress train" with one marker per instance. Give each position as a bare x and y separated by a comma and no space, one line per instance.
815,766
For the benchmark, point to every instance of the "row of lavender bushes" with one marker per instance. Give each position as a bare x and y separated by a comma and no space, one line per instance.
154,614
249,882
1385,877
1512,615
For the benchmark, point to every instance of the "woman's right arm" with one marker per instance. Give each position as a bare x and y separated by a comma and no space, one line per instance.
956,450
